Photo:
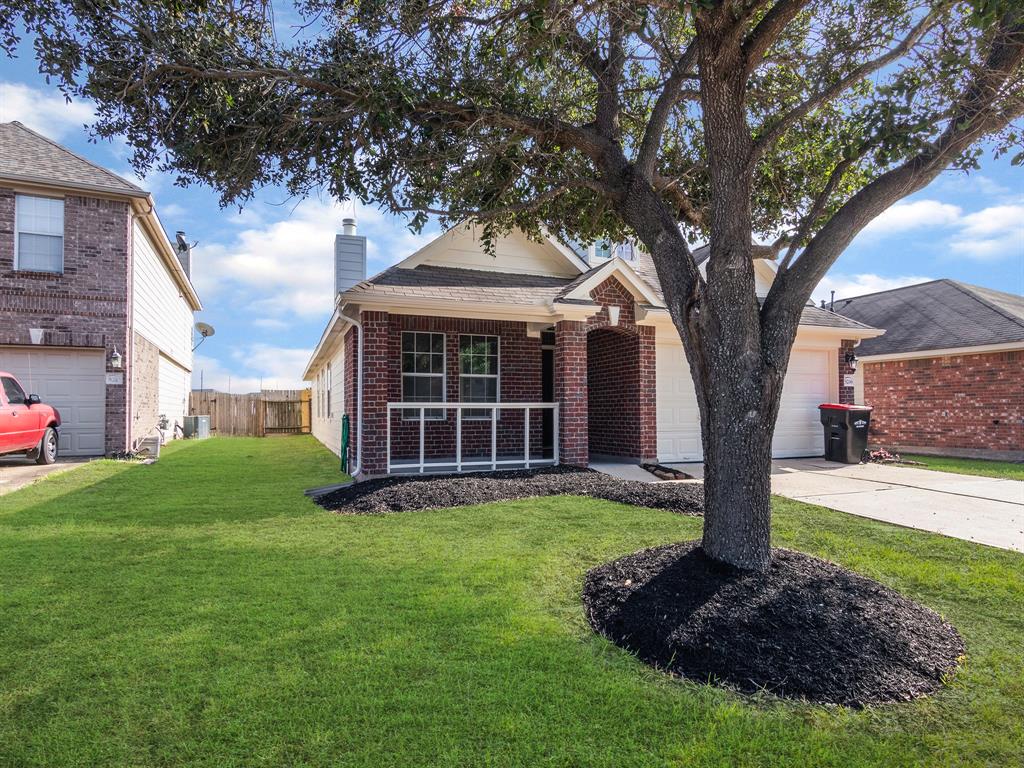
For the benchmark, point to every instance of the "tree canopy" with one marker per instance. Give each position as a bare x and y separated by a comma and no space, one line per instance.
789,121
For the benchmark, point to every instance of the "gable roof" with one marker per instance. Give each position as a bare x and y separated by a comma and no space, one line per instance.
30,157
941,314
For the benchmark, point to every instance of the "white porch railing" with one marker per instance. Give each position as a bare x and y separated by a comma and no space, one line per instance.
459,463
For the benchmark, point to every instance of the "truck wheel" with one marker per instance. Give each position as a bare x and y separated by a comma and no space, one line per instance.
46,451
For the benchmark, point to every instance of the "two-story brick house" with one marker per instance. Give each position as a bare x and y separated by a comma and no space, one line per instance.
96,305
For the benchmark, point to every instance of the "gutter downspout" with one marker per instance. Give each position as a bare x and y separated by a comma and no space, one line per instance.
354,470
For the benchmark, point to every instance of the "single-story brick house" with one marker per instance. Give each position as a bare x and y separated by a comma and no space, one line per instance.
577,342
947,378
96,304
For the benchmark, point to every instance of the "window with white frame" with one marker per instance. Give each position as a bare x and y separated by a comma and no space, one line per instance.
423,376
39,234
478,373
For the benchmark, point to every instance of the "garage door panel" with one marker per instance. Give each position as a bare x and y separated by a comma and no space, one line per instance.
72,381
797,433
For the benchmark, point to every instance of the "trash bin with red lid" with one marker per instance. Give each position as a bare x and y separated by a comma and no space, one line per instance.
846,431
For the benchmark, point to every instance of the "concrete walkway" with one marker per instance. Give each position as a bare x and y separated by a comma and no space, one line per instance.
982,509
17,472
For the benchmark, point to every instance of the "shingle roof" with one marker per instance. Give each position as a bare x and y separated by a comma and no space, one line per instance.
464,285
942,314
28,156
643,265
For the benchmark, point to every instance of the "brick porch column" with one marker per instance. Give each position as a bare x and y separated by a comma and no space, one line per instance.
846,394
647,396
376,380
571,391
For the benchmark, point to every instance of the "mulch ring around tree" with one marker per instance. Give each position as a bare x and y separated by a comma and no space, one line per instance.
806,629
402,494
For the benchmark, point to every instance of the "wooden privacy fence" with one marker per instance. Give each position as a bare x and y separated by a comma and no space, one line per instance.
270,412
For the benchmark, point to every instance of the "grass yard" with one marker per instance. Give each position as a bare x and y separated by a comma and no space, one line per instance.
1008,470
201,611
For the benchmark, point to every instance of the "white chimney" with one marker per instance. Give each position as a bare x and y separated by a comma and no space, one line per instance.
349,256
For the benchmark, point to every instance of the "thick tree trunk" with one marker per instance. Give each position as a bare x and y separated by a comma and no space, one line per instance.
737,436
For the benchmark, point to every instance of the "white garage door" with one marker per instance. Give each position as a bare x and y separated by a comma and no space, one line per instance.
172,393
72,381
797,432
678,417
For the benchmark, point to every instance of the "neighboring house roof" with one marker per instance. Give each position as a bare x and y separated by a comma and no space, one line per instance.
31,157
942,314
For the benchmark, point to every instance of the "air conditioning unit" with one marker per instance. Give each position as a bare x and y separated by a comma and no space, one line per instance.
197,427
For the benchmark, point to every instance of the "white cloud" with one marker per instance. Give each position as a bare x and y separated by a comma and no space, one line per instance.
904,217
254,366
991,234
846,286
285,268
46,112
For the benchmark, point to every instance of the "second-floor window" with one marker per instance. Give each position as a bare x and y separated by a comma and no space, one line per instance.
39,234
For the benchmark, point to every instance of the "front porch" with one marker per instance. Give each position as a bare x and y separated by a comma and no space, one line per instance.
448,394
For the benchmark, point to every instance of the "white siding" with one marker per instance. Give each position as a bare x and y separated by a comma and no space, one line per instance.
327,428
461,248
173,387
160,312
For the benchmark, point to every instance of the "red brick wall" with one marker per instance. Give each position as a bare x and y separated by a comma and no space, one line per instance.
611,413
520,373
87,305
959,402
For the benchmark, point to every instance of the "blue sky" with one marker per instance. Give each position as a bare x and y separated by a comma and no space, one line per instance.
265,273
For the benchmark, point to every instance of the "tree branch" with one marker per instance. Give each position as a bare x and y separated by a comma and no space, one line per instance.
775,131
768,30
977,116
647,157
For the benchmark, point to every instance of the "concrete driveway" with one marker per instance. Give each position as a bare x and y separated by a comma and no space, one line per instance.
982,509
17,472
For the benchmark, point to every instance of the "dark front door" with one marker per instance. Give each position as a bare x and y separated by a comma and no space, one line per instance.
547,391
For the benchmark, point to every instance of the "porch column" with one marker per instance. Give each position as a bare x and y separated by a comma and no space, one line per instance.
571,391
376,380
647,394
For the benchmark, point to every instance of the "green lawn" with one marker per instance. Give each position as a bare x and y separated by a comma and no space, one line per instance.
201,611
1008,470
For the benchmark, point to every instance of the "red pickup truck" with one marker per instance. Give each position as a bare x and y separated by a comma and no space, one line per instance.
27,425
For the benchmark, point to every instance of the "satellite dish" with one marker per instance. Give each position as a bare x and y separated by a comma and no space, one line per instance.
206,331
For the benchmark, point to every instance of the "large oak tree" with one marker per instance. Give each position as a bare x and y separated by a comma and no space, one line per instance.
794,122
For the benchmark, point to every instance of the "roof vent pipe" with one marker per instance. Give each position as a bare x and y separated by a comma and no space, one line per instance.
348,226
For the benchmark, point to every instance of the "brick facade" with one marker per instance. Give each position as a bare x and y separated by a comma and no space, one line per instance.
145,385
971,405
622,377
85,306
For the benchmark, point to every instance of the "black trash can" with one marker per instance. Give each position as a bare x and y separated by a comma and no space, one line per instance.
846,431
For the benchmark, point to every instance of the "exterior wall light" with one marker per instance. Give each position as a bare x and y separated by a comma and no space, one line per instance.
115,359
850,359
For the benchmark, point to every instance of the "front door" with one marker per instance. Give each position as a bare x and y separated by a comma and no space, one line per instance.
547,391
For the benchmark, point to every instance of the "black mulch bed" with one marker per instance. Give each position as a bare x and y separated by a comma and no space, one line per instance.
807,629
402,494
